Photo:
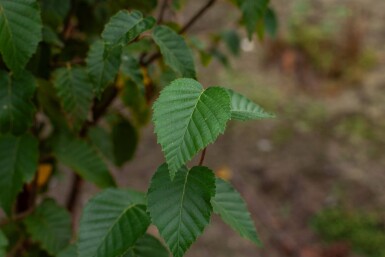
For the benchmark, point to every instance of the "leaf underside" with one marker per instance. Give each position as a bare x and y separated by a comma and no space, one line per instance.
244,109
229,204
175,51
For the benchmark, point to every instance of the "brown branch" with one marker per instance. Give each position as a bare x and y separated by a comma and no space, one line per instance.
68,26
162,11
71,62
98,110
17,217
184,28
17,247
203,154
76,185
152,58
196,17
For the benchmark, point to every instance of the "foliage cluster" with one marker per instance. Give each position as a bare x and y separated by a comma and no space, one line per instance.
69,71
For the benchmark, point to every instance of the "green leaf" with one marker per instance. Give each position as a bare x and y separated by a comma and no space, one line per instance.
244,109
101,140
11,230
49,103
181,208
4,243
50,225
74,90
20,32
145,44
232,41
229,204
220,56
124,27
175,51
50,37
18,162
253,11
271,22
136,196
131,68
111,223
69,251
83,159
16,108
54,12
201,47
134,98
147,246
167,76
125,140
103,63
188,118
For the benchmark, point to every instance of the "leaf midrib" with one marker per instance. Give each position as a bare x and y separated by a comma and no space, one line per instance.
74,93
181,207
7,25
9,102
112,226
185,131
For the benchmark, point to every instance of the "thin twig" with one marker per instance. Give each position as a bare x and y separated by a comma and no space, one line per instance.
152,58
74,192
203,154
17,217
99,108
162,11
71,62
201,11
18,246
184,28
67,28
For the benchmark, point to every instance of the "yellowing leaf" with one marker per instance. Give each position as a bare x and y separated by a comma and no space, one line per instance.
146,77
44,172
224,173
120,81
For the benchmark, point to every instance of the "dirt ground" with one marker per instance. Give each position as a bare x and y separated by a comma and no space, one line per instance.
290,168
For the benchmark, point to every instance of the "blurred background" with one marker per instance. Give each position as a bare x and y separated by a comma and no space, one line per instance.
314,177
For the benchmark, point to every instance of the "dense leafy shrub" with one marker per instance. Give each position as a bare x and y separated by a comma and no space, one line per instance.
66,69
